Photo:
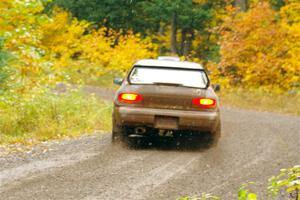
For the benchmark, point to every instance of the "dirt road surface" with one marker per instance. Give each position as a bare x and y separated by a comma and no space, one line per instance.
253,147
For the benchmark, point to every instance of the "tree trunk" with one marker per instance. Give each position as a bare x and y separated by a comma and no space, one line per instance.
183,41
161,33
174,33
242,4
188,44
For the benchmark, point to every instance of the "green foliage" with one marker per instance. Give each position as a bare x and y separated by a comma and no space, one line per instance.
141,15
113,14
190,15
288,180
5,71
194,19
244,193
277,4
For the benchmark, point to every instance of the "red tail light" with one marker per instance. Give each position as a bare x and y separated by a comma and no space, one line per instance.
129,98
204,102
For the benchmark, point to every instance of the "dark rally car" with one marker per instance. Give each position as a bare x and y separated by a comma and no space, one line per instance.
166,98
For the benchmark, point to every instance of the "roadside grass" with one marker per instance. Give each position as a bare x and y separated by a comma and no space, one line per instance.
85,73
261,101
52,115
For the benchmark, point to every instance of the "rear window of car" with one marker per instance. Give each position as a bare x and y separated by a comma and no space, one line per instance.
176,76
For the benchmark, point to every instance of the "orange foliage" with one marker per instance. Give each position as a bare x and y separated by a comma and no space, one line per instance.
258,50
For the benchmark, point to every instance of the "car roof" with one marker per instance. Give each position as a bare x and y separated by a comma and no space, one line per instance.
168,63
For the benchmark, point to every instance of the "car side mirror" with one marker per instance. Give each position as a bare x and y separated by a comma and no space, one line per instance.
118,81
216,87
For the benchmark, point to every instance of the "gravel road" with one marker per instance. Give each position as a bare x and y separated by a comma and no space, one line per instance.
253,147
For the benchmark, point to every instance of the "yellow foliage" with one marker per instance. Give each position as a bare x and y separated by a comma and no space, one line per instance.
97,48
61,37
65,37
131,48
290,15
51,48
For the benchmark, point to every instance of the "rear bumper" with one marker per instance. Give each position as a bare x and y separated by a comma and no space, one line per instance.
186,120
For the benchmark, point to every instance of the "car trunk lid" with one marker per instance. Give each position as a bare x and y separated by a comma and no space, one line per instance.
167,96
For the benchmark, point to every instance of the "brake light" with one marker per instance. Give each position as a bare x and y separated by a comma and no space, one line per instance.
129,98
204,102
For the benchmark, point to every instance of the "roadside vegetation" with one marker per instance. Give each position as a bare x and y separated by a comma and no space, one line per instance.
284,186
260,100
43,115
250,47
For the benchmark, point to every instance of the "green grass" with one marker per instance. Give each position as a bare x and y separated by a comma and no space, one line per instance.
261,101
51,116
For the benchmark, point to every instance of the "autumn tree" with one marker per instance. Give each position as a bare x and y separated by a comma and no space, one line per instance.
260,51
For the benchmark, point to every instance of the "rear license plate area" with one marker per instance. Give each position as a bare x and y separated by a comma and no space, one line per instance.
166,122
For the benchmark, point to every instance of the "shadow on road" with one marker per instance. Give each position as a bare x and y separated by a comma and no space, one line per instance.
169,144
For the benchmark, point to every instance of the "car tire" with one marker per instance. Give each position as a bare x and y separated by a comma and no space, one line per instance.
117,133
215,135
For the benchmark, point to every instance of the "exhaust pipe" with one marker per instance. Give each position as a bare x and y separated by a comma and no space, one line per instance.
140,130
